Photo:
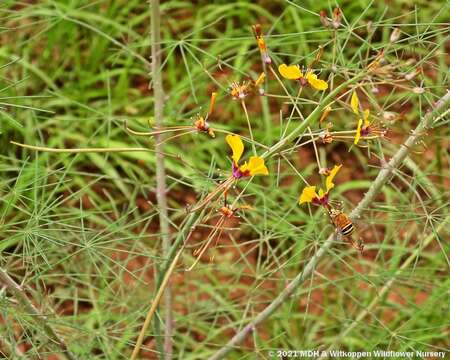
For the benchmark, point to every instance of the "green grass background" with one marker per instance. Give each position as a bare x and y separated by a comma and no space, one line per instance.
80,232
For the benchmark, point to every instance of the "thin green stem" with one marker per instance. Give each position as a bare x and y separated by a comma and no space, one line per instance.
164,284
161,187
249,126
81,150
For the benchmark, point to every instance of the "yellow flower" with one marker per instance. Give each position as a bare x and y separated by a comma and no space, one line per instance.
293,72
255,165
363,127
309,194
315,82
260,79
329,180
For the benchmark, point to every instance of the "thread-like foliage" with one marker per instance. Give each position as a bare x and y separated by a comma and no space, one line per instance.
80,229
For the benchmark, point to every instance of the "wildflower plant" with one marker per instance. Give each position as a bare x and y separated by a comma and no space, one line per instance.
107,199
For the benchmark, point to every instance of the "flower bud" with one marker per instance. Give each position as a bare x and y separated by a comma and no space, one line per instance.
389,115
324,18
395,35
337,17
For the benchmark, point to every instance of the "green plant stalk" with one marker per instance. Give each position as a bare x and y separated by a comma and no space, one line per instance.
382,178
155,303
80,150
161,188
40,319
191,221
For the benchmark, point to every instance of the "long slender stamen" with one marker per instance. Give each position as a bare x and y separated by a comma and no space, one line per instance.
155,132
224,186
211,237
177,136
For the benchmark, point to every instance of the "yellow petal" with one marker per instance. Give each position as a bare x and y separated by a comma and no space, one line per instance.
366,117
255,166
358,131
260,79
212,102
291,72
308,194
354,103
325,113
315,82
236,145
329,181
